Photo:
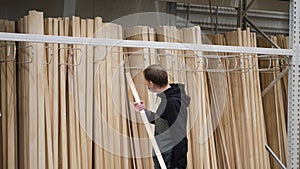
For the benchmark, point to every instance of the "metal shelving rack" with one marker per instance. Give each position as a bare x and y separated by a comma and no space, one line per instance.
294,73
294,69
294,87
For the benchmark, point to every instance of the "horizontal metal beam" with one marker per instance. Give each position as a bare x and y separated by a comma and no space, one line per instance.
138,44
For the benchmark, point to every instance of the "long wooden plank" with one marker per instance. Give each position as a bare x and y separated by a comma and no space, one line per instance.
234,89
264,161
40,53
76,54
125,144
248,120
89,93
114,88
109,32
48,94
253,105
55,96
3,99
11,103
63,146
146,123
106,101
195,160
81,70
20,96
72,140
2,146
98,138
26,95
33,21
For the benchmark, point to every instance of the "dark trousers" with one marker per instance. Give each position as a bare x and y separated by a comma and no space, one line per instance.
167,156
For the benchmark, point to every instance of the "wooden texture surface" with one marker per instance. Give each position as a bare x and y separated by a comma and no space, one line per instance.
70,107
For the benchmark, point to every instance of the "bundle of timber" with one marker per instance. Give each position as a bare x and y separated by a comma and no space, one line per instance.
136,59
275,99
8,109
72,106
68,106
258,101
242,123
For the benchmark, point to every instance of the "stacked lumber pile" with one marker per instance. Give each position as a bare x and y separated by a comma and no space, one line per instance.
243,121
275,100
136,60
68,106
8,107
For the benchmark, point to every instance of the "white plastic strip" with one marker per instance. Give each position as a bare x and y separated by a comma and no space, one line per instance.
138,44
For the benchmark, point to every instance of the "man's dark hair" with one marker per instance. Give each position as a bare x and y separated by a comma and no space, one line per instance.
156,74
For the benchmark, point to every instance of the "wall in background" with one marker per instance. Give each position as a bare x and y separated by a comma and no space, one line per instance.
109,10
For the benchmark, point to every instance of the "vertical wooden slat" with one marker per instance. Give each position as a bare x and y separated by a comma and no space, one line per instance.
116,94
235,90
55,96
123,111
11,103
48,97
72,140
104,100
109,33
3,100
81,70
20,101
33,26
89,92
76,33
98,160
63,146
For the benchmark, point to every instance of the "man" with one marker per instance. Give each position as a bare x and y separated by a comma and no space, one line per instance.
170,118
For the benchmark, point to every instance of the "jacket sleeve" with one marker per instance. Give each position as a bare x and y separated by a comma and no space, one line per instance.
151,116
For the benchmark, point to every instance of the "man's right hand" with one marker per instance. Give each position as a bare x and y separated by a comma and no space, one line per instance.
139,106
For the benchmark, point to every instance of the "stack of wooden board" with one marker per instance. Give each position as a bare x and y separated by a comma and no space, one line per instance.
243,116
8,109
75,111
31,80
135,61
275,100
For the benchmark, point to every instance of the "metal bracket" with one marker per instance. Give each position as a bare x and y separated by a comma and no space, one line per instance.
8,44
72,56
32,54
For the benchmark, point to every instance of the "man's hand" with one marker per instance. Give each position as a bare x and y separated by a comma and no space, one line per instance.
139,106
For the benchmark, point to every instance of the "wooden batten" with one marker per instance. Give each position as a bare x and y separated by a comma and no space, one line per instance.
89,93
98,136
3,101
62,146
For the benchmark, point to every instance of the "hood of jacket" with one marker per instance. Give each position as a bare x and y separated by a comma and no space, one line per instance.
176,90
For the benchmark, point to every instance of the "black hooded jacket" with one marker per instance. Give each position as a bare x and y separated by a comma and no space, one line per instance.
170,121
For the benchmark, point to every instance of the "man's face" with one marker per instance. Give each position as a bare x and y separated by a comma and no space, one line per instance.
150,86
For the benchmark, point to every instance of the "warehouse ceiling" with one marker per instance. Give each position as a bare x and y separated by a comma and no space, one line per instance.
277,5
113,9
